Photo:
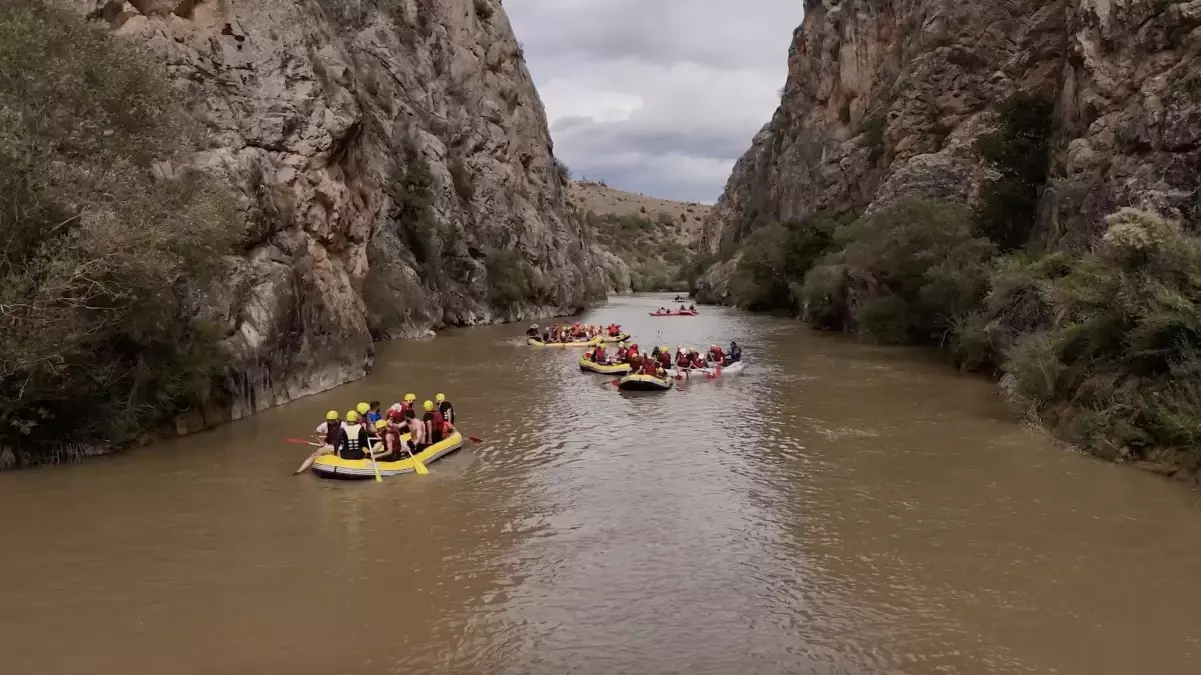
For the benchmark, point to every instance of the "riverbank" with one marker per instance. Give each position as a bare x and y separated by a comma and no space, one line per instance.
214,412
1102,348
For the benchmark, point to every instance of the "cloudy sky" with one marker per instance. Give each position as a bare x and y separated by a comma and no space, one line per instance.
656,96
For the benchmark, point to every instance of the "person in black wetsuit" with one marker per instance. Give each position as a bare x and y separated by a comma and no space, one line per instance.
735,354
446,408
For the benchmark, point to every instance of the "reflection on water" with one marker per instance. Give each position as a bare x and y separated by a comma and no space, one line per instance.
837,508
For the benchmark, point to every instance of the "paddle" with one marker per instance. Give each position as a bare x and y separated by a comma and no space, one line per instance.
418,466
371,456
301,441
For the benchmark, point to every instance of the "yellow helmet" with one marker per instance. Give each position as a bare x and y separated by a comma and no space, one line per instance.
428,405
332,416
440,398
621,344
352,416
409,398
381,424
363,408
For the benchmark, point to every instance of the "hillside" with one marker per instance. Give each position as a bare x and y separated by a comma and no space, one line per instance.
656,238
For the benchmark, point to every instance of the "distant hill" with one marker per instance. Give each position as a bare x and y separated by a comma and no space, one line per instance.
656,238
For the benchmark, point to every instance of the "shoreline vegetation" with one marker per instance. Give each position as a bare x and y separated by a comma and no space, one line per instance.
108,240
1102,347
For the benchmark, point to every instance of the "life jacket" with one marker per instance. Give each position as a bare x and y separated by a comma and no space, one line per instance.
354,440
436,426
697,361
632,354
599,355
718,354
682,360
333,431
649,367
447,410
665,359
393,434
621,354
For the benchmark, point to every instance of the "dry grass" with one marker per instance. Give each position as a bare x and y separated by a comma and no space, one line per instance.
602,200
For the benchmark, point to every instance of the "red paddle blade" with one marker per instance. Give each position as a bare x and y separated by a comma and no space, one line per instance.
299,441
475,439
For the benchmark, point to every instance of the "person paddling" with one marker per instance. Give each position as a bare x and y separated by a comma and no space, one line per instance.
388,449
327,434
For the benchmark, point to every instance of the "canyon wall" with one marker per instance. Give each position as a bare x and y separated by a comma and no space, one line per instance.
393,166
887,98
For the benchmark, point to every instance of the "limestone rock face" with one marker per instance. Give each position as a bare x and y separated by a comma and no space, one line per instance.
886,98
382,151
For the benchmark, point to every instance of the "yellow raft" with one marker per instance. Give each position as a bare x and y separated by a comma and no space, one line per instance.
640,382
332,466
586,343
620,337
611,369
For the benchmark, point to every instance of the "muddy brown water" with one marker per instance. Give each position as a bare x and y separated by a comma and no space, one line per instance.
838,508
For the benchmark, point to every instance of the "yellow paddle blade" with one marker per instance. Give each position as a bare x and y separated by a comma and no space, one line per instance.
420,467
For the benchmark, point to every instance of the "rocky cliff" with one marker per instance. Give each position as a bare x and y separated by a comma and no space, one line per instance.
887,98
393,167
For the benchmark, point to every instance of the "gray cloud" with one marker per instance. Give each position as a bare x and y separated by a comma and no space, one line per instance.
656,97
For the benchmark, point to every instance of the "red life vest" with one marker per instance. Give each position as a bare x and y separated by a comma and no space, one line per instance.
665,359
649,367
599,354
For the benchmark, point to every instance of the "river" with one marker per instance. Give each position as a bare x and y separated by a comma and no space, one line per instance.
837,508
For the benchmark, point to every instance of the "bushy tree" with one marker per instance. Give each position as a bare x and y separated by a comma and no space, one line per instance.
99,257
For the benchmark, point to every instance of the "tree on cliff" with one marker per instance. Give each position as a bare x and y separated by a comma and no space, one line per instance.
104,239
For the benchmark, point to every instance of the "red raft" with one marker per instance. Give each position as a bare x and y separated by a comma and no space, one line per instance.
674,313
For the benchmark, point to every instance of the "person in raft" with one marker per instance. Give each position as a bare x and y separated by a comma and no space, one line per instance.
388,449
620,356
532,331
354,439
735,354
432,421
446,408
373,413
599,355
665,357
651,367
716,355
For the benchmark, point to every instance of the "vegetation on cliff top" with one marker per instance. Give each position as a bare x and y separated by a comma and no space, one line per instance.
105,243
1104,347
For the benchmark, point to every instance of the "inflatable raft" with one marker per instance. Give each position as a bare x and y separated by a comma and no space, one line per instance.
332,466
674,313
604,369
585,343
620,337
713,372
640,382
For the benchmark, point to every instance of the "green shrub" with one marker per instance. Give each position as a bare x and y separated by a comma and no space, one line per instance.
885,319
510,278
776,257
921,251
100,260
1018,302
1019,151
1118,362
